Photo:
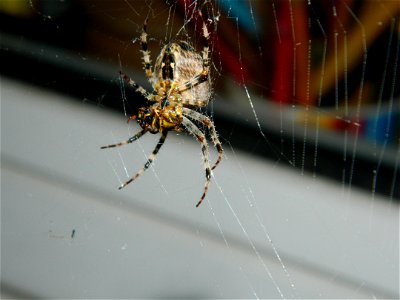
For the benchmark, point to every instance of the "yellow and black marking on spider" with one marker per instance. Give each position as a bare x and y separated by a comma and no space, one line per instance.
181,82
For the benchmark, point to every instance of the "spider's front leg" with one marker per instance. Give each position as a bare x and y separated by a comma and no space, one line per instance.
151,158
128,141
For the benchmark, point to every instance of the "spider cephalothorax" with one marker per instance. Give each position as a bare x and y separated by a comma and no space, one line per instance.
155,118
181,82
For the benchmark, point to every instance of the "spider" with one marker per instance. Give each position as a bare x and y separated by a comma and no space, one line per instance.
181,83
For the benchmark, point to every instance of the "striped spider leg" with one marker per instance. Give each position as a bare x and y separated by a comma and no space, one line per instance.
194,115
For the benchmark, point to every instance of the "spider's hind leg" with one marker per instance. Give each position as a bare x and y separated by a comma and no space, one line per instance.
193,129
211,128
204,74
151,158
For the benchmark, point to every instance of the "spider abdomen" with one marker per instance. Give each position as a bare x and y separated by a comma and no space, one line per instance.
180,64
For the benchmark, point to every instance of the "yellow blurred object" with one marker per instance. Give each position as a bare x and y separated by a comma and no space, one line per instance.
19,8
375,17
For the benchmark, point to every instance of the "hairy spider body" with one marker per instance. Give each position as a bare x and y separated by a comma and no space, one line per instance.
156,119
180,82
179,74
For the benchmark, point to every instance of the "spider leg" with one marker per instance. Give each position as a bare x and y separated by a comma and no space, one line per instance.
211,128
151,158
196,80
203,76
146,53
128,141
193,129
206,48
137,88
147,67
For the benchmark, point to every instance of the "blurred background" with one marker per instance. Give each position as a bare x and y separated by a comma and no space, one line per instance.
308,87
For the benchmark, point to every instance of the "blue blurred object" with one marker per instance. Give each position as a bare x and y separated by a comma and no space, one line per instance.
244,14
383,128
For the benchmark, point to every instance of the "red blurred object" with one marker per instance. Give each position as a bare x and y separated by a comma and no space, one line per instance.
282,79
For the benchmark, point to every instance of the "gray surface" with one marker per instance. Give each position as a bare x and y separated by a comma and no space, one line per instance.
149,240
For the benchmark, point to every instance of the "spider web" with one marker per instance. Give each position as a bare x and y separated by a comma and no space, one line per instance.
192,35
303,106
303,92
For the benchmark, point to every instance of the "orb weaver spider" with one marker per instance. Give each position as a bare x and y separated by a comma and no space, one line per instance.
181,83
